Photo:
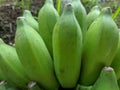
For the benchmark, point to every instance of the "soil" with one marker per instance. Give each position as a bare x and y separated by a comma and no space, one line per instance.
8,15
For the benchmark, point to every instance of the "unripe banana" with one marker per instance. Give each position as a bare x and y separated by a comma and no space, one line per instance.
34,55
107,80
30,19
12,67
67,46
80,14
92,15
80,87
116,61
47,18
2,76
99,47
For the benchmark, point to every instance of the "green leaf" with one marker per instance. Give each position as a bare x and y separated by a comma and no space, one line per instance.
114,16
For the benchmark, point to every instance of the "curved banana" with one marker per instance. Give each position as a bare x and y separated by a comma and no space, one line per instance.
99,47
2,76
30,19
67,47
47,18
34,55
107,80
12,67
92,15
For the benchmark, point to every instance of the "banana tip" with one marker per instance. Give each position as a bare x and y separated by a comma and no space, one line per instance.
108,68
20,18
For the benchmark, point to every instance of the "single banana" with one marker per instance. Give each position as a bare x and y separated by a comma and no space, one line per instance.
30,19
80,87
92,15
2,76
34,55
47,18
116,61
107,80
99,47
80,14
67,47
11,66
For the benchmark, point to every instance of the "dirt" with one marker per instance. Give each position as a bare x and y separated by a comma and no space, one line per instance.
8,15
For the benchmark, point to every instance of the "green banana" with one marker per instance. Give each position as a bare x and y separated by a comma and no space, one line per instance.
11,66
92,15
80,14
116,61
80,87
2,76
107,80
34,55
99,47
30,19
47,18
67,46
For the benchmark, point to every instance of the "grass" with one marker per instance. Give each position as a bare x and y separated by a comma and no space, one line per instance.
1,1
116,13
58,5
25,4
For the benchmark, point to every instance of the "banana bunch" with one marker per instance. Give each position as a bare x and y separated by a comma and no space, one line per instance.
65,49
